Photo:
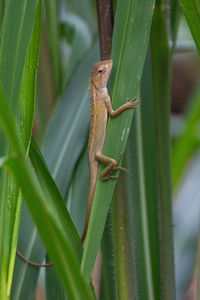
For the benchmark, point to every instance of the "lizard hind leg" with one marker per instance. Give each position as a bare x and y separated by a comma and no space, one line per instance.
107,172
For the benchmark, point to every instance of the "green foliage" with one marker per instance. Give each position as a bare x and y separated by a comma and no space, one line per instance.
125,80
17,77
137,244
191,11
188,140
46,204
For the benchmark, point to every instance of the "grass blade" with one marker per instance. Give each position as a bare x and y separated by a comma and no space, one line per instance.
175,13
160,56
188,140
142,208
53,233
18,64
24,287
15,35
131,32
26,107
85,11
71,140
59,247
108,278
53,39
59,146
73,132
78,36
50,187
191,11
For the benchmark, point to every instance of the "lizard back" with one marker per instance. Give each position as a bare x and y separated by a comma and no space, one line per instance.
98,121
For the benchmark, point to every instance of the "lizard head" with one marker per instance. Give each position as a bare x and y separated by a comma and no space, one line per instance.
100,73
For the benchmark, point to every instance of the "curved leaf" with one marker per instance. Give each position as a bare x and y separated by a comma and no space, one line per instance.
65,140
18,64
75,29
191,11
44,207
130,39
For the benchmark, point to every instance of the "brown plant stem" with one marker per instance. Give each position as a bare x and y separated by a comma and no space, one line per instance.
105,25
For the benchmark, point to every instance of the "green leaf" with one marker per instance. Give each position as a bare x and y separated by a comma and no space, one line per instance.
123,256
161,66
85,10
2,6
191,11
186,231
73,120
188,140
142,218
57,242
33,249
130,39
25,277
78,192
66,137
50,187
108,275
43,207
77,30
175,13
18,64
16,34
138,202
53,39
72,117
25,109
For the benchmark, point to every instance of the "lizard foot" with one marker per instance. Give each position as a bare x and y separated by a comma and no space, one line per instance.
121,168
110,177
119,158
131,103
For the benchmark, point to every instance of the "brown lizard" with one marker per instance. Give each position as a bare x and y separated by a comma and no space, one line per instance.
100,107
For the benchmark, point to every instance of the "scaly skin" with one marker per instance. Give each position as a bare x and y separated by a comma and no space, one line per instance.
100,107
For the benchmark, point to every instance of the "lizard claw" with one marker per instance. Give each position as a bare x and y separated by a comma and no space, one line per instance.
132,103
123,169
119,158
110,177
130,100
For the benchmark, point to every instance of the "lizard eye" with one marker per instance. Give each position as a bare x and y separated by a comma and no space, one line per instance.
101,71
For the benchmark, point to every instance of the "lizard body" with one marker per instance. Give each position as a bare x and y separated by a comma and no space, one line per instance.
100,107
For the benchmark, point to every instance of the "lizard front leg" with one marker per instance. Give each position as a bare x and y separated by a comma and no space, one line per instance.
112,163
127,105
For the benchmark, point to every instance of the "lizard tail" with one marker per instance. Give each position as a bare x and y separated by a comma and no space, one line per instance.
30,262
89,206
